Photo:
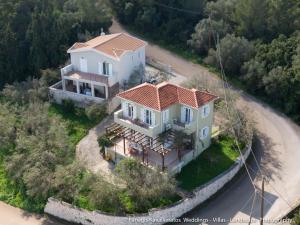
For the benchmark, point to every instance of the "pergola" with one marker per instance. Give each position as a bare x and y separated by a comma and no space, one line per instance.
147,143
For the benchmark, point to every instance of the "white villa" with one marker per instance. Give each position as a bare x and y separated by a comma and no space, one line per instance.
98,67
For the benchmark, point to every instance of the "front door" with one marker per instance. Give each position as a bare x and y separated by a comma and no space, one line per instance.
83,65
165,116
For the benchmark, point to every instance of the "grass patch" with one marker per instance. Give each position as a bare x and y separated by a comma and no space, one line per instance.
14,194
212,162
77,123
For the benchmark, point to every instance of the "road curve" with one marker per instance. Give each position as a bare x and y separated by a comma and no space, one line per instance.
277,149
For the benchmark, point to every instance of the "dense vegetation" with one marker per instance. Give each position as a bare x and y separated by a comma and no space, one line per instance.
259,40
37,143
35,34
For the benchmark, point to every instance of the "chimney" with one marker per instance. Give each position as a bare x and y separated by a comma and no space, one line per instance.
102,32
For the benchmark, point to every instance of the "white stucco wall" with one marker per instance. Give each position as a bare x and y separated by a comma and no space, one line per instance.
122,67
158,216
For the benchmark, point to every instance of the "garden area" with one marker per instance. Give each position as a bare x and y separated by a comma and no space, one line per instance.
219,157
38,138
37,159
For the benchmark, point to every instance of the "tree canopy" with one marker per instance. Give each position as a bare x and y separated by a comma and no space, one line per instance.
36,34
258,39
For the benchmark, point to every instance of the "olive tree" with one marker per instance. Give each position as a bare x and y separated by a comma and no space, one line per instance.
234,51
144,185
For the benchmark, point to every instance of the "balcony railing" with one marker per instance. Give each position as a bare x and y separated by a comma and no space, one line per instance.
136,124
189,127
178,123
67,69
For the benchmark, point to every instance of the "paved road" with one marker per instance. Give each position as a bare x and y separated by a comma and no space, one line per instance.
277,149
13,216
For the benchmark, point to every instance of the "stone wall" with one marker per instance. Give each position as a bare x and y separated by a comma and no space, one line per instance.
70,213
57,95
159,65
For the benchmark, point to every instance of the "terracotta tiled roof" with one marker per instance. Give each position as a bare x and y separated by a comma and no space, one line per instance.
113,44
163,95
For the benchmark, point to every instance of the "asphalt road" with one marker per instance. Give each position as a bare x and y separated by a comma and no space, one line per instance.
277,149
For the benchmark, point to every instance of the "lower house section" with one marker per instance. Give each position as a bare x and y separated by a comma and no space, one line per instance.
169,162
83,93
159,152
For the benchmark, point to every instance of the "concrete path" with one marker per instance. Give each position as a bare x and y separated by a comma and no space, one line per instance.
88,151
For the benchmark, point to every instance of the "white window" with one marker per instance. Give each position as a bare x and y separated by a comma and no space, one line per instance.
204,133
186,115
107,68
148,116
130,110
165,116
83,65
205,111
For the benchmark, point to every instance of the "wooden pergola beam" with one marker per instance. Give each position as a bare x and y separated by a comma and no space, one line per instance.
140,138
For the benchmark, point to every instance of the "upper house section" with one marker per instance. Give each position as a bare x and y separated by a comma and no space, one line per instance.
164,106
161,96
114,55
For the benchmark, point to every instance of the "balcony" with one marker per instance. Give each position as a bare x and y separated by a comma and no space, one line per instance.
69,72
187,127
137,125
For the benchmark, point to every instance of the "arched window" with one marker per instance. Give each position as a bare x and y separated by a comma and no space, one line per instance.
204,132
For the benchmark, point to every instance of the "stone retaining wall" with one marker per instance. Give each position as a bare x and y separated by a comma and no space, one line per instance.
159,65
73,214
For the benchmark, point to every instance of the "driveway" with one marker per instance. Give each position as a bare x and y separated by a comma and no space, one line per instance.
277,150
88,150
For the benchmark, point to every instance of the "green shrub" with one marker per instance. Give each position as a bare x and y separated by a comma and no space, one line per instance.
103,142
95,111
296,219
68,105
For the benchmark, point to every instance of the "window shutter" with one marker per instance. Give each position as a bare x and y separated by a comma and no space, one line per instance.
134,112
110,69
165,116
143,115
182,118
100,68
124,108
153,118
205,111
191,115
